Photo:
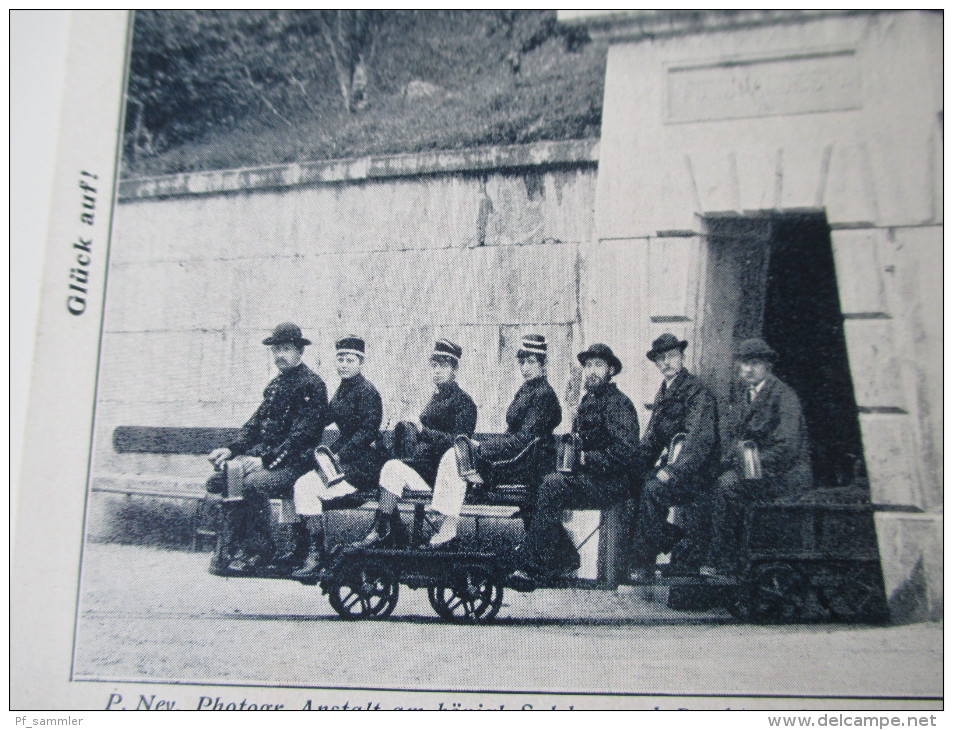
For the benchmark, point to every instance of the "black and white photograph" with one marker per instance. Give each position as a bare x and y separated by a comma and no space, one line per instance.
489,359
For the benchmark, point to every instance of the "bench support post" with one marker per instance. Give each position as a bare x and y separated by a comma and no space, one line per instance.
417,530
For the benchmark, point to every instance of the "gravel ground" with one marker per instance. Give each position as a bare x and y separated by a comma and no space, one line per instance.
151,614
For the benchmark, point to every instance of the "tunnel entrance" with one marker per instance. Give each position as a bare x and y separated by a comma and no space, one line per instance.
773,276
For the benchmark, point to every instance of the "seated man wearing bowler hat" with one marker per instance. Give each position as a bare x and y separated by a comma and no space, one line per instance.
274,448
685,407
767,413
607,425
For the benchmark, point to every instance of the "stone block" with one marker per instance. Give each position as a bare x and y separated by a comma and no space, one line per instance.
917,258
858,259
758,167
614,302
164,367
911,555
890,456
715,177
485,285
674,268
533,206
426,212
249,366
805,169
902,97
874,363
167,296
849,193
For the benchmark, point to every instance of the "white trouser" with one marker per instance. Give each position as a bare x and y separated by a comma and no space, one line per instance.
450,488
396,476
311,490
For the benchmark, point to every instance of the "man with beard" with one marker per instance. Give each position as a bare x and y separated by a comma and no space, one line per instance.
274,448
682,407
607,425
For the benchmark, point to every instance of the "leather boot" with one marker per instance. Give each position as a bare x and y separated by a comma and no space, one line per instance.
380,534
230,534
298,551
399,537
316,559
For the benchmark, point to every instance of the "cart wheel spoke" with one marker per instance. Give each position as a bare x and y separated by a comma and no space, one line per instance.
776,592
372,592
475,596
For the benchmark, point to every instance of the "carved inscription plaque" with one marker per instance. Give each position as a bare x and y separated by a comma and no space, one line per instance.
791,84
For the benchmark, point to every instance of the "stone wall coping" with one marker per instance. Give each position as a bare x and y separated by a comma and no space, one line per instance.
637,25
584,152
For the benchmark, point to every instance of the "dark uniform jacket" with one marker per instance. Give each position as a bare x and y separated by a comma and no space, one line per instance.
535,412
608,425
357,410
450,413
289,422
686,406
775,422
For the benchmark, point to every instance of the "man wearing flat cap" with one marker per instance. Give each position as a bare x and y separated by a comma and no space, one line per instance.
607,426
357,410
532,416
683,407
274,448
451,412
767,413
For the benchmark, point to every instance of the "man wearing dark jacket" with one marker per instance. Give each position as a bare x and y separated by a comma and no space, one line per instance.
534,414
682,406
275,446
358,410
766,412
450,413
607,425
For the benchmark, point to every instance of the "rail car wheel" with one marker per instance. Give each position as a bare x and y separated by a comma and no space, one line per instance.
776,592
367,593
856,595
474,596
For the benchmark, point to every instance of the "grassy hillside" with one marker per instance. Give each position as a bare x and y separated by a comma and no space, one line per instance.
435,80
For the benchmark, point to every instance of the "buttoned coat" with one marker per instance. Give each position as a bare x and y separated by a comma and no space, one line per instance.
608,425
534,413
357,410
289,423
685,406
775,422
450,413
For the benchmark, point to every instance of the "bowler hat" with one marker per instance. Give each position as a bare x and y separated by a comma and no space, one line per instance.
350,345
755,348
664,343
284,333
603,352
532,345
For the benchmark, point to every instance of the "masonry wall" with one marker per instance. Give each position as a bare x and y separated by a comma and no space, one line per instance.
838,113
479,246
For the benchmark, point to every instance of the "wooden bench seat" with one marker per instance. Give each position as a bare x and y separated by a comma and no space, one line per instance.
500,502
